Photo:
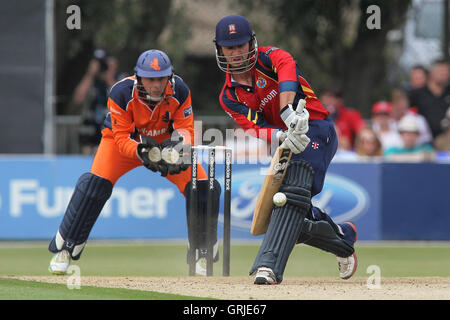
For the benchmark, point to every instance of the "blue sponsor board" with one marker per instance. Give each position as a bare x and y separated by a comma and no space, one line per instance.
34,192
416,201
348,195
385,201
353,190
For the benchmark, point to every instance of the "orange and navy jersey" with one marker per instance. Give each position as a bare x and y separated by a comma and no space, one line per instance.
129,117
256,108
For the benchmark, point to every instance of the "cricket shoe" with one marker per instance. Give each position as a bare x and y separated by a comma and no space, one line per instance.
265,276
60,263
347,266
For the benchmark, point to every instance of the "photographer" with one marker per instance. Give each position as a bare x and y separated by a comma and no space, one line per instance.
92,94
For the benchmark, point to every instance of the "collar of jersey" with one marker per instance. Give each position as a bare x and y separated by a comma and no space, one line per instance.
230,83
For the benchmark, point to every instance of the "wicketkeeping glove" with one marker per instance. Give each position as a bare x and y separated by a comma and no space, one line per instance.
175,154
149,152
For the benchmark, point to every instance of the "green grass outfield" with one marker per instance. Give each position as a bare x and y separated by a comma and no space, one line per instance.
120,258
13,289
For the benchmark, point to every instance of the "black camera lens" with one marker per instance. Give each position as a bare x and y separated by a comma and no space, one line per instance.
101,56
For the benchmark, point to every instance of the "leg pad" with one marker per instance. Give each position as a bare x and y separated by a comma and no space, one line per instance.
286,221
90,195
320,234
198,234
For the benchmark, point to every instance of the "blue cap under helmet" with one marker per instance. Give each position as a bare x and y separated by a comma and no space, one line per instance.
233,30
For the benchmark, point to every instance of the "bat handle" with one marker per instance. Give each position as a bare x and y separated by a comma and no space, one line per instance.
300,106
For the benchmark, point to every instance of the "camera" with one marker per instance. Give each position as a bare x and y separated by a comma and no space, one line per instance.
102,57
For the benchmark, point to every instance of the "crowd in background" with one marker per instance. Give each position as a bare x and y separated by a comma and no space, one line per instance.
413,124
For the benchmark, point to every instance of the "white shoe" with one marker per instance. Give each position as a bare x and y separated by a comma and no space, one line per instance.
200,267
347,266
265,276
60,263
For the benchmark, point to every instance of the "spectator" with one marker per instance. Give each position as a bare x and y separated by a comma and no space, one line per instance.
348,121
384,126
367,144
411,150
433,99
401,107
418,77
442,141
344,151
92,94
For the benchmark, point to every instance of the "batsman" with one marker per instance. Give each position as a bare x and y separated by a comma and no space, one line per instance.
265,93
150,123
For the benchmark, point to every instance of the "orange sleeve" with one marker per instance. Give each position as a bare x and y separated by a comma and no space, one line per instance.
122,127
183,121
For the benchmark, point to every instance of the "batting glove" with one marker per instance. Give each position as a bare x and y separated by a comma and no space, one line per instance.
295,142
296,120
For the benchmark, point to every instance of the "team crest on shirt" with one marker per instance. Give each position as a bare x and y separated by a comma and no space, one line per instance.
166,117
187,112
261,82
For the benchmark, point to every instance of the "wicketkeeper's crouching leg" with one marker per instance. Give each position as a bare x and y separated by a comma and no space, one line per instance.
197,235
90,195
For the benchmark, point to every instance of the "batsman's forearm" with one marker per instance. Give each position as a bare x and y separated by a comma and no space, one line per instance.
286,97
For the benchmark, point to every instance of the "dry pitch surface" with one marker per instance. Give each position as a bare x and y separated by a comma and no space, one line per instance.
297,288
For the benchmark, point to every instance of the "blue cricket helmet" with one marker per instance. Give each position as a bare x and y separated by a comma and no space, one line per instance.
235,30
153,64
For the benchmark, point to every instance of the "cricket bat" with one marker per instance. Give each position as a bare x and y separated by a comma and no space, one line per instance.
270,186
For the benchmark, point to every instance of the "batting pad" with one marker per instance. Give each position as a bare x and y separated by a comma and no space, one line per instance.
286,221
88,199
198,234
322,235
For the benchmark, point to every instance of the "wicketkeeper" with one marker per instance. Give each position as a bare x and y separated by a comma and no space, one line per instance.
150,123
262,89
